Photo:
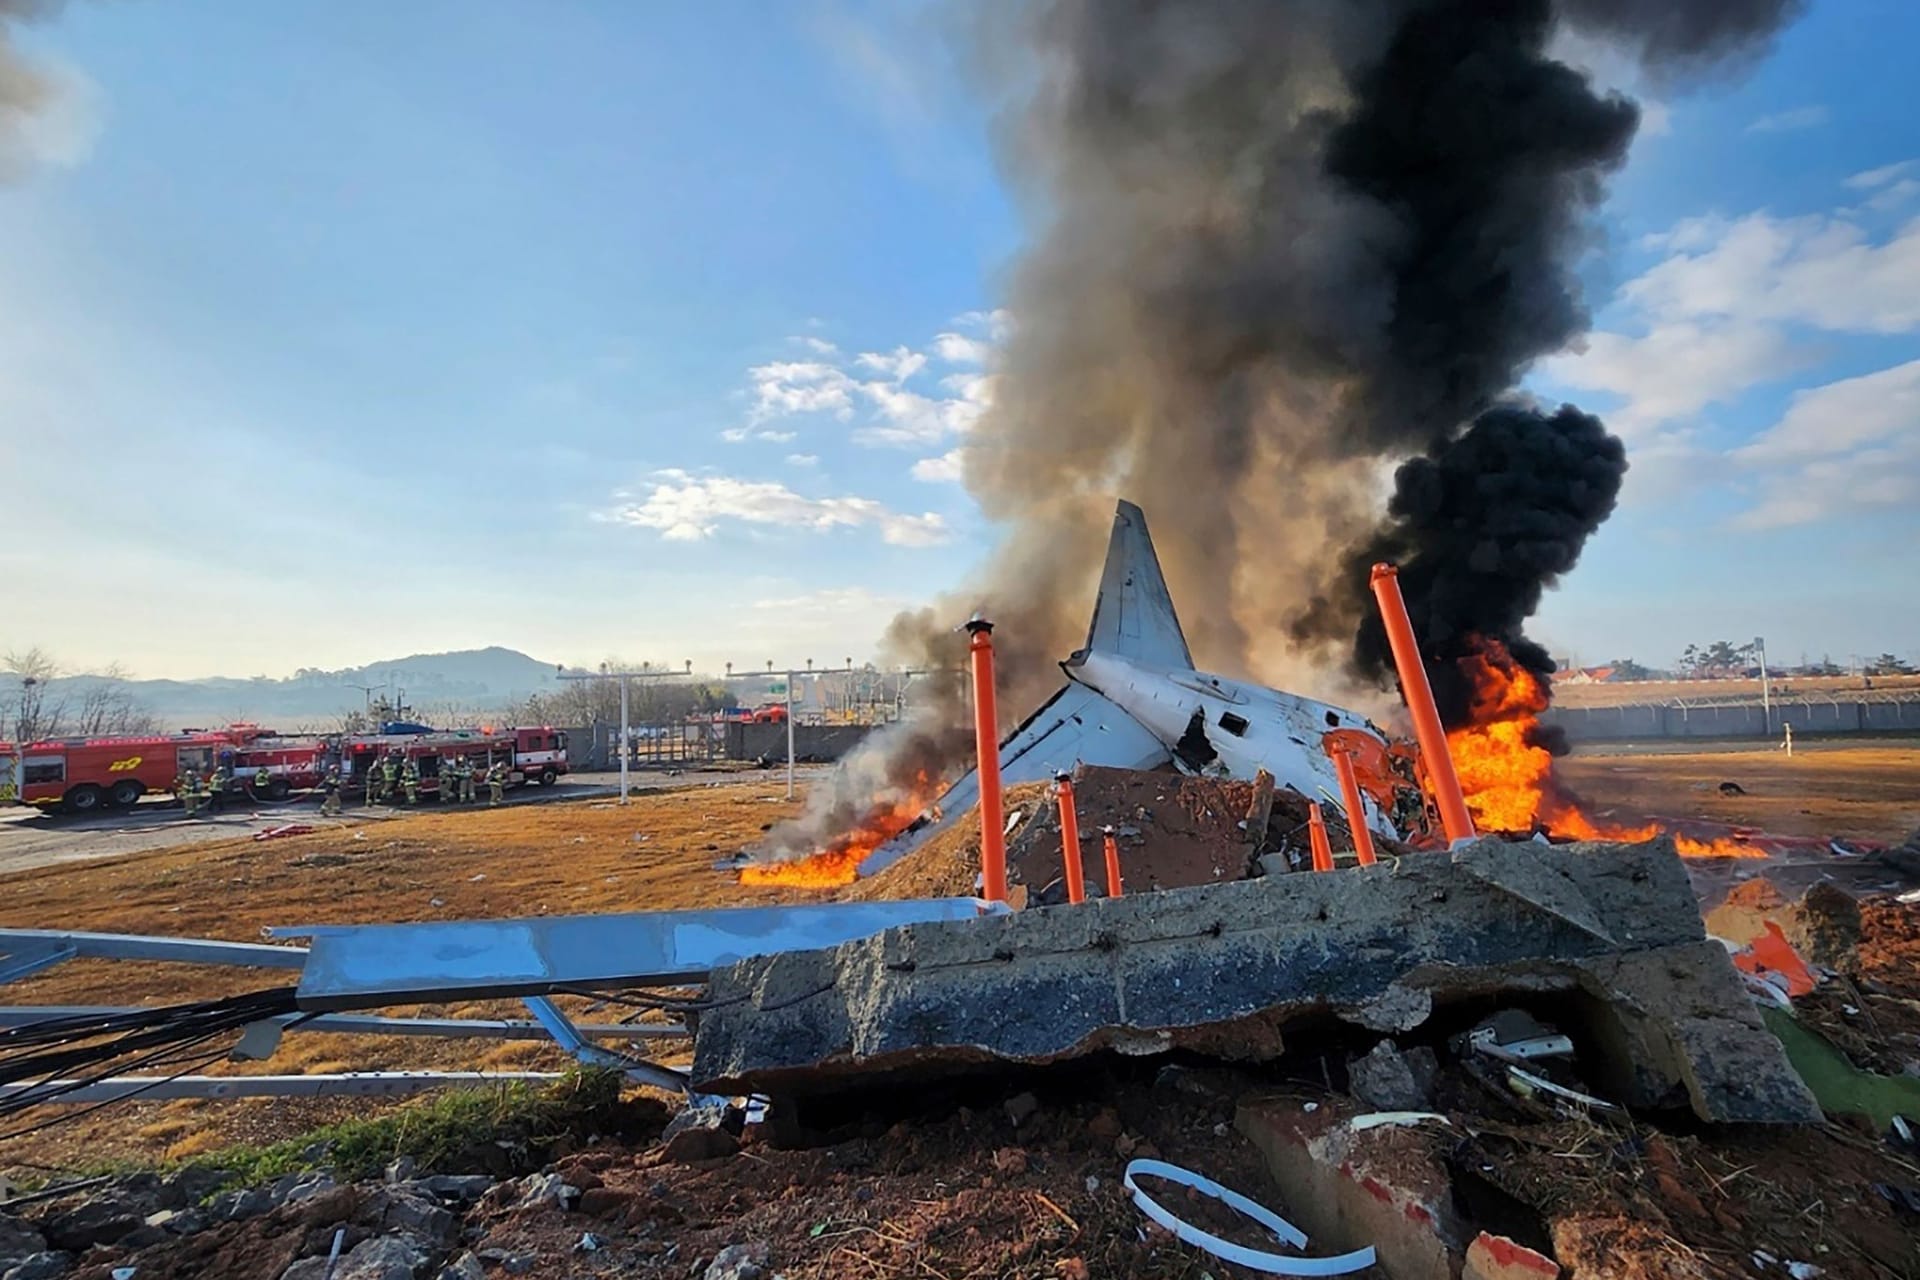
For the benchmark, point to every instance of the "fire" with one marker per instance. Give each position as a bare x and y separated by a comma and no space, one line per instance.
839,861
1508,776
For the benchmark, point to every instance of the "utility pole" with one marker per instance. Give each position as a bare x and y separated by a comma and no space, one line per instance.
1766,686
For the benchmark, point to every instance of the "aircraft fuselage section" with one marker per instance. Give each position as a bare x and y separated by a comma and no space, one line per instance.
1249,727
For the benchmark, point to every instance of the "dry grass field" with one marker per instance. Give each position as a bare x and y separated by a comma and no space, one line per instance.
654,854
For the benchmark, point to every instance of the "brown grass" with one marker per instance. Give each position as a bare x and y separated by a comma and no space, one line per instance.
1635,692
522,861
1862,793
578,858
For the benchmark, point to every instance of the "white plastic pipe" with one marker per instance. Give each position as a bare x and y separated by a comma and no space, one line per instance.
1277,1264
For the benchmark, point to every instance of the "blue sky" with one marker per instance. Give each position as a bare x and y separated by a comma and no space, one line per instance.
331,333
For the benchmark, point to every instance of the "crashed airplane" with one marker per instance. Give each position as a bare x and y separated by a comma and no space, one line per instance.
1134,700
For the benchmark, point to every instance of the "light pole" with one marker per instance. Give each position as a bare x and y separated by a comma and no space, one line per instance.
1766,687
623,677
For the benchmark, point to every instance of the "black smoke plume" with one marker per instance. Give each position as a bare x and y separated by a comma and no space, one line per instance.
1481,529
1280,247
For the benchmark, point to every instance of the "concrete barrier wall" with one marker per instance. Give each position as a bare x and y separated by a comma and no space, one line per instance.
1890,717
1653,722
812,742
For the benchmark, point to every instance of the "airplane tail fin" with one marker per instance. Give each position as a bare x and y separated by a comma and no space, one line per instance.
1134,617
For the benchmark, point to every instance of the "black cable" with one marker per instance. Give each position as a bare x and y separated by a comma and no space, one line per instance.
71,1116
175,1030
160,1057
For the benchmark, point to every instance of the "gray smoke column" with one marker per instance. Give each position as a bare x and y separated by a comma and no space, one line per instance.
25,89
1280,247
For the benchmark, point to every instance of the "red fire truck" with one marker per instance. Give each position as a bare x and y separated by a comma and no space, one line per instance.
84,775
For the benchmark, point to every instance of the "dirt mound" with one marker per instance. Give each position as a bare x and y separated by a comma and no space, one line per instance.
1173,831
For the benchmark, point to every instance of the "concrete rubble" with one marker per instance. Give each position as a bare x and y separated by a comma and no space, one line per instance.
1610,933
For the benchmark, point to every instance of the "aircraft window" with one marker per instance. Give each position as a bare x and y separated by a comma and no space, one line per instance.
1233,724
1333,721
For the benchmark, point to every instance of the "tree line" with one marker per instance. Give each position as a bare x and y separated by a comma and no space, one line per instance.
50,702
665,700
1723,659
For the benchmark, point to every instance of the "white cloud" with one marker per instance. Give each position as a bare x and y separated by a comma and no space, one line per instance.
1868,179
799,386
898,365
896,414
997,322
1821,271
909,418
1840,447
947,468
832,602
1810,117
1842,416
803,459
819,346
1731,306
688,508
958,348
1894,195
1675,370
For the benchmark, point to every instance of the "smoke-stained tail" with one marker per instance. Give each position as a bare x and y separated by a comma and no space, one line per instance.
1134,615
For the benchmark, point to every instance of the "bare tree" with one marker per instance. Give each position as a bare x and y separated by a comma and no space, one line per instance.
107,706
38,708
651,701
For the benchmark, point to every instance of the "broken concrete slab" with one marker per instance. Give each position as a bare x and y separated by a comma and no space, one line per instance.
1385,1187
1224,969
1492,1257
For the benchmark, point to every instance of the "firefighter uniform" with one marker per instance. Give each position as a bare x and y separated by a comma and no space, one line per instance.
262,783
217,787
466,781
372,783
449,789
187,787
410,780
330,793
389,776
496,784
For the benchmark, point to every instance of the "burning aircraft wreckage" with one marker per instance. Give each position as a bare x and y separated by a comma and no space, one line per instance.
810,1002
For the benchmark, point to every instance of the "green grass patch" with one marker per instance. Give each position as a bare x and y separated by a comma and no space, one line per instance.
502,1131
1838,1085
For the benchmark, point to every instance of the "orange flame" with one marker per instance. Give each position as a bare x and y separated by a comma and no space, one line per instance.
1508,777
839,862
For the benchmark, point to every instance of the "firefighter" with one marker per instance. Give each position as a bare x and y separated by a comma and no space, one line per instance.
262,783
330,793
187,787
372,781
218,783
390,775
449,781
496,784
410,780
466,780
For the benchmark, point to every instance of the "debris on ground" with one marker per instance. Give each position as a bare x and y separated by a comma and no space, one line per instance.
1173,831
1438,1122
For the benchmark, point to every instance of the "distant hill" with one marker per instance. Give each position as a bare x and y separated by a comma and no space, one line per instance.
469,679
